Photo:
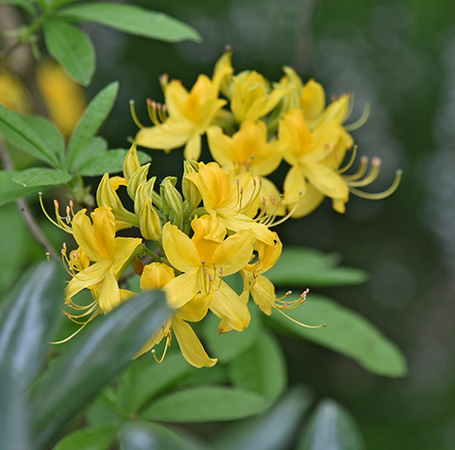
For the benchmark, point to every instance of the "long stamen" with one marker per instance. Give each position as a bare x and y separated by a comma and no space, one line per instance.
372,175
351,161
77,331
361,121
361,172
380,195
301,324
167,345
289,214
134,115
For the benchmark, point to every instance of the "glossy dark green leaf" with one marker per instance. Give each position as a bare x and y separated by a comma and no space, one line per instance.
41,176
347,332
152,436
14,430
97,355
109,162
99,438
262,368
206,404
23,135
227,346
274,430
11,191
92,119
304,267
71,48
332,428
28,320
132,19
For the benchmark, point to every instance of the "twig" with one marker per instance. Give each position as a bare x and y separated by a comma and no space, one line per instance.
24,209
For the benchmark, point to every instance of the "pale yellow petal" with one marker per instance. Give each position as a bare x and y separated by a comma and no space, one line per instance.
182,289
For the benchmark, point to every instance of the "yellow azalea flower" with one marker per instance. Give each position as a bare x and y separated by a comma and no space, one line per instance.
186,117
231,202
157,276
203,263
14,94
110,254
313,174
248,151
64,99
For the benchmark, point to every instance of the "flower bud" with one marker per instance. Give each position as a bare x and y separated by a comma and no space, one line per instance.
190,190
131,163
150,222
139,177
174,200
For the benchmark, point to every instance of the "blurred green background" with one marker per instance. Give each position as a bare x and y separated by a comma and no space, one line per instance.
397,56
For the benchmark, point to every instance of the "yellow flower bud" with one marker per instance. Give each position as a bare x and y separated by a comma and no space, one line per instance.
131,163
139,177
150,222
174,200
190,191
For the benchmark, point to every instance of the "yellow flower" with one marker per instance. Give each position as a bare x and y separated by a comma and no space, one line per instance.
110,255
248,151
231,202
14,94
204,263
157,276
186,117
314,159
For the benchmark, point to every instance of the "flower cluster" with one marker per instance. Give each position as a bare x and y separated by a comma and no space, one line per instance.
219,223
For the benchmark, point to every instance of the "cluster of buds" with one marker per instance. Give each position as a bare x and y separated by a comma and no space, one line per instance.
219,223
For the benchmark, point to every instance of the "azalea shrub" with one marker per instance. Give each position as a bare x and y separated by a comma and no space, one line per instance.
205,242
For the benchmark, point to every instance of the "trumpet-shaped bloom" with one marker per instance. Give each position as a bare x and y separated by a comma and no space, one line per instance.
110,254
157,276
203,263
189,114
231,202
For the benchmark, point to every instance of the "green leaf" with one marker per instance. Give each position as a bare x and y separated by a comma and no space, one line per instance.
152,436
99,438
11,191
96,356
109,162
14,429
299,266
332,428
26,4
17,130
41,176
96,147
95,114
28,321
347,332
261,369
131,19
274,430
49,133
206,404
71,48
105,410
227,346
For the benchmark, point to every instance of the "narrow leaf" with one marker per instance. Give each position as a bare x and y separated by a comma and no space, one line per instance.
95,358
152,436
11,191
261,369
71,48
22,135
132,19
95,114
99,438
109,162
347,332
299,266
96,147
41,176
28,320
206,404
332,428
274,430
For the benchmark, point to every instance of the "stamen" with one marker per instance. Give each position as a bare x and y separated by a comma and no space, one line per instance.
351,161
372,175
134,115
361,121
289,214
380,195
301,324
361,172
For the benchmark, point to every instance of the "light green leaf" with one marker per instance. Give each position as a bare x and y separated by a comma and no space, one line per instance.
71,48
19,133
41,176
274,430
206,404
227,346
131,19
99,438
261,369
152,436
332,428
11,191
49,133
28,321
97,355
94,116
109,162
347,332
299,266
